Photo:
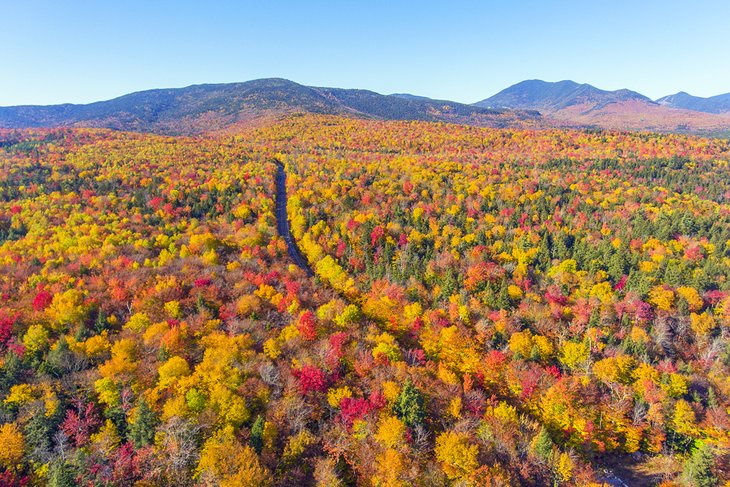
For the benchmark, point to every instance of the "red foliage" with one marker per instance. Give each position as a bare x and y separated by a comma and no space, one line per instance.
6,326
341,247
78,425
554,371
335,352
292,287
352,225
42,300
644,312
377,400
9,478
416,357
226,313
693,253
714,296
495,360
554,295
156,202
352,409
375,236
666,366
475,403
125,465
284,304
311,379
417,325
530,381
307,326
17,348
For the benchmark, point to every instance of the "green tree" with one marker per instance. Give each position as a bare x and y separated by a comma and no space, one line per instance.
543,445
61,474
142,428
617,264
38,433
698,468
503,299
257,434
409,406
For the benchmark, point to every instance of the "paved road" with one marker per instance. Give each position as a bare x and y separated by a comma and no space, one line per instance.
282,221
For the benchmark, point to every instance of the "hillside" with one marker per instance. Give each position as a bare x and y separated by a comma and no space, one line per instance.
214,107
713,104
567,103
639,115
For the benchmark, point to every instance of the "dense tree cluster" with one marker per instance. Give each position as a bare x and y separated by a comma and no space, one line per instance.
489,307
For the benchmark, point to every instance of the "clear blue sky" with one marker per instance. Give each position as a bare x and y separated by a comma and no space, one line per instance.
81,51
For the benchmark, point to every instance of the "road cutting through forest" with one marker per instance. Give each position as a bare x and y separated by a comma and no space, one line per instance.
282,221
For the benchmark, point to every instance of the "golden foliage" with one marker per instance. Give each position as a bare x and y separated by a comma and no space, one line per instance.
224,461
12,445
457,456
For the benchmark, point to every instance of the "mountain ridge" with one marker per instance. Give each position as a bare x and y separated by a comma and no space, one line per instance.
217,106
717,104
553,96
221,107
574,104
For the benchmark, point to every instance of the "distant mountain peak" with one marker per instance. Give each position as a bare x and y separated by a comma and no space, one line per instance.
719,104
549,96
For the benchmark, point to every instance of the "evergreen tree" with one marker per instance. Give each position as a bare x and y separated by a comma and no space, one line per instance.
257,434
617,265
543,445
101,322
38,433
673,273
563,246
409,406
142,430
542,259
61,474
503,299
698,468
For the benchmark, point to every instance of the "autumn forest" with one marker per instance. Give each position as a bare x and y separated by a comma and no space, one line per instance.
479,306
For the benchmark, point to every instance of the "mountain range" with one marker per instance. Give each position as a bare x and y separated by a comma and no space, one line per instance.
568,102
713,104
545,96
215,107
533,103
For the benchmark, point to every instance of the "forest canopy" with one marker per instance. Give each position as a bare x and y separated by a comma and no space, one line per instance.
488,307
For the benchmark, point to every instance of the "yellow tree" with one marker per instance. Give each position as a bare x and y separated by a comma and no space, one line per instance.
225,461
67,308
457,456
12,445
